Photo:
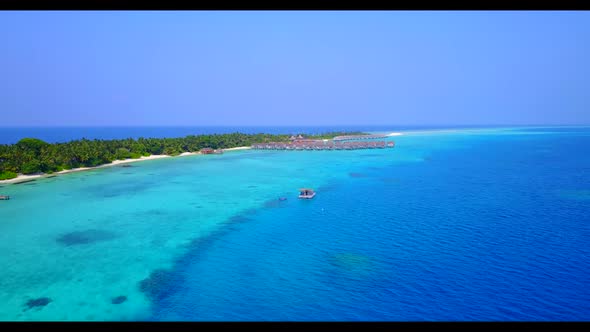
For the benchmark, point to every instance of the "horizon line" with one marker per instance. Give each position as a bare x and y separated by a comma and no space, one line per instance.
295,125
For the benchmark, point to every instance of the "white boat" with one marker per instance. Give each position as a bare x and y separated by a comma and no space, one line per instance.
306,193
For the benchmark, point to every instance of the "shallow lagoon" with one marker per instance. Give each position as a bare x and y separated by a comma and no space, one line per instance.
478,225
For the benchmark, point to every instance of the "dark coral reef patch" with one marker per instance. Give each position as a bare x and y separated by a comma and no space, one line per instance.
119,299
85,237
39,302
159,284
275,202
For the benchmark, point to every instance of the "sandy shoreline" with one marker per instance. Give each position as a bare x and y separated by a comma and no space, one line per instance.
238,148
23,178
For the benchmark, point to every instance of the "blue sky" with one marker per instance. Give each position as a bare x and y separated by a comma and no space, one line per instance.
294,68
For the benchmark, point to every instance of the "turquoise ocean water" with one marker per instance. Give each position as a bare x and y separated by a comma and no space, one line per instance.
487,224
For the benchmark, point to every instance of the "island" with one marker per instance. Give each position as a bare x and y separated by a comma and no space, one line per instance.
31,157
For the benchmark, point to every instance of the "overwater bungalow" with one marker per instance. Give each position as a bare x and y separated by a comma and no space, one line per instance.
358,137
317,145
4,197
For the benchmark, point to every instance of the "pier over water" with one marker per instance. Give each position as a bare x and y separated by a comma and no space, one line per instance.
357,137
323,145
347,142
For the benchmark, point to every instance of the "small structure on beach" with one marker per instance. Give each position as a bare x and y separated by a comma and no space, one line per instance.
306,193
4,197
211,151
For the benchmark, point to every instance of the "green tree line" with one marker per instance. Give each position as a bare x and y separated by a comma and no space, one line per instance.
32,156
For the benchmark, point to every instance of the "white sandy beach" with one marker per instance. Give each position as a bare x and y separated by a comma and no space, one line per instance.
188,154
23,178
238,148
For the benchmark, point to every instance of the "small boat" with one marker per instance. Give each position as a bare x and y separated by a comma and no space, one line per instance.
4,198
306,193
282,198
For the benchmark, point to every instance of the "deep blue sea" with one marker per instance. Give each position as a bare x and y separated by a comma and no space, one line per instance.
450,225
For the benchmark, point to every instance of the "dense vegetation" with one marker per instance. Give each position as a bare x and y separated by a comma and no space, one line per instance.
31,155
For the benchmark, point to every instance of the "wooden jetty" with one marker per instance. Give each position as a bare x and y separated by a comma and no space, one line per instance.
318,145
4,197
